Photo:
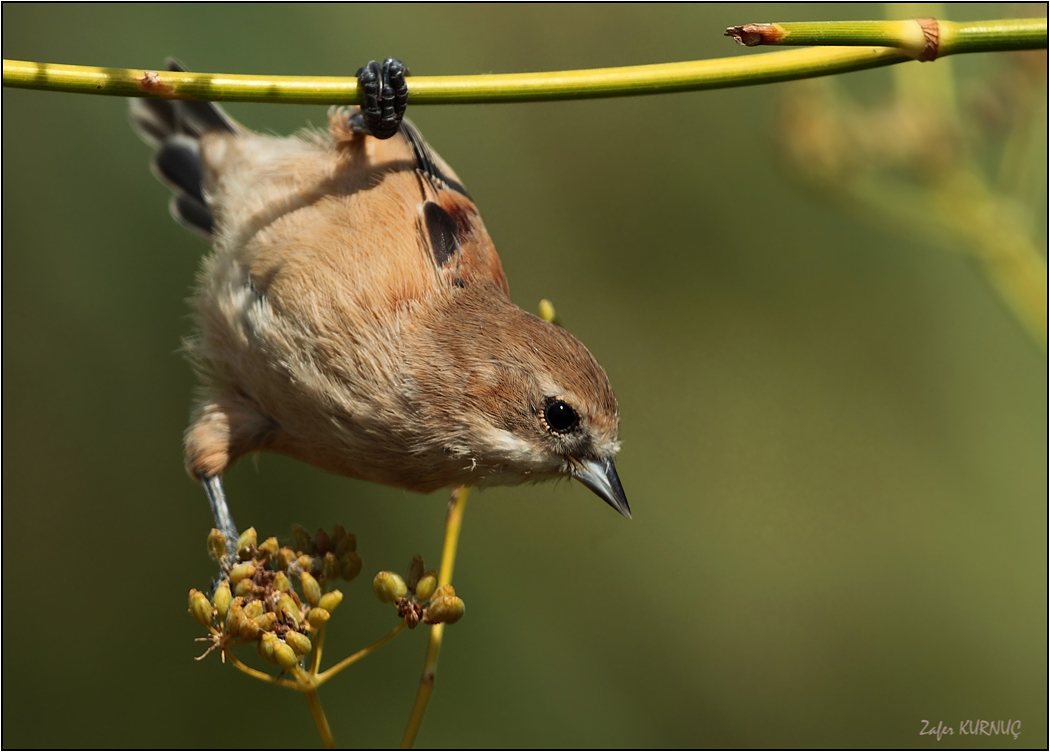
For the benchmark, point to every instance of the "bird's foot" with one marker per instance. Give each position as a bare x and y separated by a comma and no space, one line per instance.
384,98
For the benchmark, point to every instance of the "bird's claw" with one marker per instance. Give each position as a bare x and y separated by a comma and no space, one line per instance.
384,98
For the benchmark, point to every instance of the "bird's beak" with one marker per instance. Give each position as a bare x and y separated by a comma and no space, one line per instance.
600,476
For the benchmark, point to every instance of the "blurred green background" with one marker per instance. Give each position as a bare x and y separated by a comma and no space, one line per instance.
834,436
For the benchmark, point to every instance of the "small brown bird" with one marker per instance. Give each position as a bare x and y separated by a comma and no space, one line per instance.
354,313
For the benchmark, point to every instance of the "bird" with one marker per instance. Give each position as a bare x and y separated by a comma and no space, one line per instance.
354,313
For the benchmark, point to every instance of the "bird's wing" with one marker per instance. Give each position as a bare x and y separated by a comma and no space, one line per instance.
451,228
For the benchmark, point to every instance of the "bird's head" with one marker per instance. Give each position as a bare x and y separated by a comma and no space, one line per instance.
514,398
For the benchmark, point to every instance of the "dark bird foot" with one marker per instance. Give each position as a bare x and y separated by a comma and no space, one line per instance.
384,97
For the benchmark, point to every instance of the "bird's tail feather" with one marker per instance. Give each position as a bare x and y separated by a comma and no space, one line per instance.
174,128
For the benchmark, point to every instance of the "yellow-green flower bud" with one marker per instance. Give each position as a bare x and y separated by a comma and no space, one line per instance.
299,642
318,617
235,620
349,565
305,562
221,599
281,583
254,608
389,587
201,608
266,646
240,626
330,567
329,601
311,588
269,547
288,608
322,542
216,545
266,621
244,570
244,588
547,312
246,544
285,557
443,592
445,610
286,657
302,540
427,584
250,629
415,571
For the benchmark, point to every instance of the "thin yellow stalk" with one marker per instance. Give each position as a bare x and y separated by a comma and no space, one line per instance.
319,718
315,659
453,523
262,676
911,34
324,676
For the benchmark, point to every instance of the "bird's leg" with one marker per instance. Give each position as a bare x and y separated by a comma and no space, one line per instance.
220,511
384,97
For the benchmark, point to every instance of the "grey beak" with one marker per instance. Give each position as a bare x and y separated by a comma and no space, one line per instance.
600,476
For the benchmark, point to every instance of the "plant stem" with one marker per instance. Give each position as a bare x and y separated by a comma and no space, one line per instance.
978,36
315,659
974,36
319,718
457,505
426,687
261,675
453,524
514,87
324,676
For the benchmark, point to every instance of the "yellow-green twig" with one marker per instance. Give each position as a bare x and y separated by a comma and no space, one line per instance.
324,676
261,675
453,524
315,659
513,87
457,505
913,35
516,87
319,718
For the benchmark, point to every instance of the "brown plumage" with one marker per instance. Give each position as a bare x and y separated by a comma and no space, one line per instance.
354,314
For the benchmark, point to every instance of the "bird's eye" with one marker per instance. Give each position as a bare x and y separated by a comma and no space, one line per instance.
560,417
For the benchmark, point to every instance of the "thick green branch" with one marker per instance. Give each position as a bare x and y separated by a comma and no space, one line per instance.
521,87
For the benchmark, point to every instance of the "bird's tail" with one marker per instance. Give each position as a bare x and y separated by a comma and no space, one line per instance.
174,128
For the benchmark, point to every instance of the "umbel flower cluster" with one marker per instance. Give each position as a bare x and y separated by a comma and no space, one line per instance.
280,598
420,598
255,600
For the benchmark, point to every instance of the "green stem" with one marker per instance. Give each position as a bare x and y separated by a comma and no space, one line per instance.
513,87
324,676
519,87
315,659
909,35
453,524
317,712
261,675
